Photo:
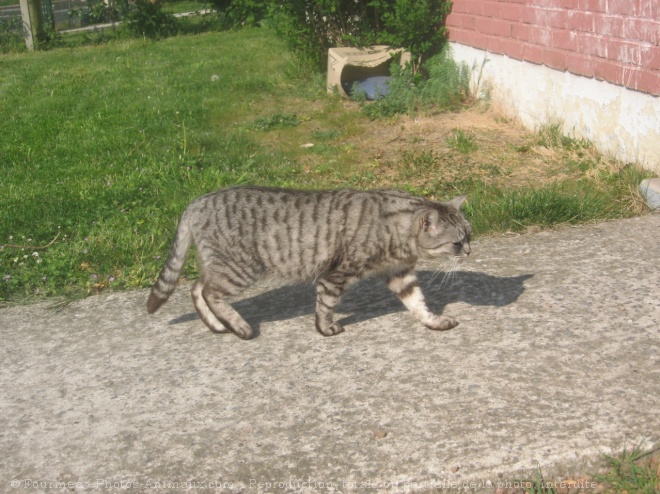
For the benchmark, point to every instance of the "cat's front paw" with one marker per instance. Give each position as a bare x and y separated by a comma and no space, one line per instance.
243,331
442,323
332,329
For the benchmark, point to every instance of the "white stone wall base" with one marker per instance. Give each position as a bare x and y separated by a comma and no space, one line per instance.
621,122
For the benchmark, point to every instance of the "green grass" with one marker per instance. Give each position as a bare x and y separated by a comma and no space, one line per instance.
633,471
103,147
493,209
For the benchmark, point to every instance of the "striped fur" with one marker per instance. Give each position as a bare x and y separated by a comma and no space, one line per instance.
333,238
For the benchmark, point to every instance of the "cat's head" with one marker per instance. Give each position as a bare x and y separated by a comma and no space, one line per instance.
442,230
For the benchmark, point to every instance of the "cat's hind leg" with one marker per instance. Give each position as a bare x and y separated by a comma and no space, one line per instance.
214,311
205,314
406,287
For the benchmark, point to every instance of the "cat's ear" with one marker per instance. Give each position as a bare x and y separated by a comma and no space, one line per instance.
457,202
429,220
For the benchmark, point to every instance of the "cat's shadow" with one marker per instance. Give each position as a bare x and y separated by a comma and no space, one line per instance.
371,298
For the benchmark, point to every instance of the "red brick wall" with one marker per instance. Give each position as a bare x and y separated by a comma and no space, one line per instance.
612,40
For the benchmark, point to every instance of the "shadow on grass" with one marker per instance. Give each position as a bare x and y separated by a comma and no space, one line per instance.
371,298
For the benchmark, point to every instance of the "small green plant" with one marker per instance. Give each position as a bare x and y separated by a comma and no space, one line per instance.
358,94
462,141
52,37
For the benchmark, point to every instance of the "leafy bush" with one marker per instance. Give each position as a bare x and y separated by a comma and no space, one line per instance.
311,27
97,12
146,18
417,25
233,13
11,35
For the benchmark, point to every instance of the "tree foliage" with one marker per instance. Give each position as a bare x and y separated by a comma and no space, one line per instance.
312,26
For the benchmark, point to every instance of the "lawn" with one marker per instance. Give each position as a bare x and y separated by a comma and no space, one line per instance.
107,145
103,146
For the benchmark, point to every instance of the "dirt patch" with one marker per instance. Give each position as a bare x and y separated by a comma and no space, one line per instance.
443,151
500,151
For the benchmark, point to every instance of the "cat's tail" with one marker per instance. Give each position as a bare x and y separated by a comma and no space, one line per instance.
169,275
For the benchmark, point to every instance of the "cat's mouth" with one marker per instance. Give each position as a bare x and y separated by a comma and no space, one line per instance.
462,254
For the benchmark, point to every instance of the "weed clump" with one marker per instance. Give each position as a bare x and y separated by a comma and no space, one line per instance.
462,141
276,121
442,85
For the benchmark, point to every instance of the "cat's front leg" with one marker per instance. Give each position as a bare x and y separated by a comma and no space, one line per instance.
328,296
407,288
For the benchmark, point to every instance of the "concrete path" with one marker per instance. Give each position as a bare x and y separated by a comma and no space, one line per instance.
557,357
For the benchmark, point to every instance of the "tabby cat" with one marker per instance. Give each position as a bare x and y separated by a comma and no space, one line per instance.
331,237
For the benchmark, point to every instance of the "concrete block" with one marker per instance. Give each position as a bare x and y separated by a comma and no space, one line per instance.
348,64
650,189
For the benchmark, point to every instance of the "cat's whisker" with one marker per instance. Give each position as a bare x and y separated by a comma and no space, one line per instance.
446,277
457,262
450,272
446,269
435,275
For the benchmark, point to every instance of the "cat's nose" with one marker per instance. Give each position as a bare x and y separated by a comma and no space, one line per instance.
466,249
